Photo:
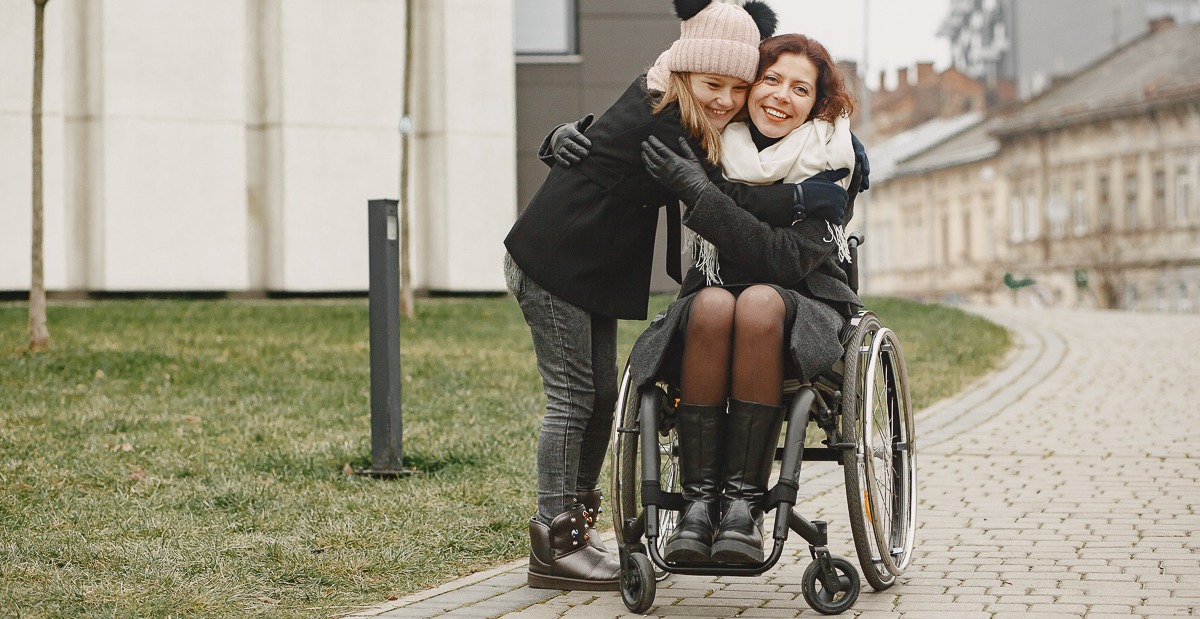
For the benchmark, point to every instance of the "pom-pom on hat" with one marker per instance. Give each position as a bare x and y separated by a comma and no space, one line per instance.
720,37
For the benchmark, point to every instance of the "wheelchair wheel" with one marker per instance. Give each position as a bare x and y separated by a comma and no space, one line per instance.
638,583
876,415
820,594
627,466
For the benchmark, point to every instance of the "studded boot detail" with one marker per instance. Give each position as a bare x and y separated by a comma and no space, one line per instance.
591,500
561,558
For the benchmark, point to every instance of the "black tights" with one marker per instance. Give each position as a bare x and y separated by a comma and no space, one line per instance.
733,347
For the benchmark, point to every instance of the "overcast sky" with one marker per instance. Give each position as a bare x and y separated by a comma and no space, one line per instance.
901,32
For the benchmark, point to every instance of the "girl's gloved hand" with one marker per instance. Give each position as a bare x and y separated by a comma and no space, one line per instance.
568,143
681,174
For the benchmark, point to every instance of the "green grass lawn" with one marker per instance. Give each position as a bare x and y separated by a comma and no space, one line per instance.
188,458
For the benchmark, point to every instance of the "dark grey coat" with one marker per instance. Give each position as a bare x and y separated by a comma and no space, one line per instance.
801,258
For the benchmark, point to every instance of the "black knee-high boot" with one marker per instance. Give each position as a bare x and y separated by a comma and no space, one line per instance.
751,435
700,428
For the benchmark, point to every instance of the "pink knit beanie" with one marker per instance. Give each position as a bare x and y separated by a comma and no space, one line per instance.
720,38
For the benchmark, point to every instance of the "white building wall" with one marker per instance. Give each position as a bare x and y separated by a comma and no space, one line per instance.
324,137
234,144
169,209
465,147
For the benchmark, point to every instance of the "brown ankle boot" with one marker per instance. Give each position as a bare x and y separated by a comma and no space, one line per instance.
561,558
591,499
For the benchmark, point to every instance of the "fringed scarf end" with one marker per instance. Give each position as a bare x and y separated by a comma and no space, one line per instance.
837,235
704,255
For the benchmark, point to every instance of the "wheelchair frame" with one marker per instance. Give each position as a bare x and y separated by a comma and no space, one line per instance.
862,404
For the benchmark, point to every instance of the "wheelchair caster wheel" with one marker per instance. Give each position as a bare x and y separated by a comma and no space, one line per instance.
637,582
821,594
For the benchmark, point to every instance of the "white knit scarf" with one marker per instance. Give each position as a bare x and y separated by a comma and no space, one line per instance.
813,147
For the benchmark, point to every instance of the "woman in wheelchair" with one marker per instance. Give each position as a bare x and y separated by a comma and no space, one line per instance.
761,304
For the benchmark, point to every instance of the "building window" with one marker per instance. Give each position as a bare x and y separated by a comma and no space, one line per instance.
1131,201
1160,198
1183,207
989,231
945,225
1131,297
1015,216
1033,218
1057,211
885,253
1079,210
545,27
966,235
1185,299
1104,210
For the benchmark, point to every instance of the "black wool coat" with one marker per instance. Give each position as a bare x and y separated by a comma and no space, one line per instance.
587,236
802,259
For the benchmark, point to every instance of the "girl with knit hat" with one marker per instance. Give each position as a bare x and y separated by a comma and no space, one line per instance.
765,303
579,258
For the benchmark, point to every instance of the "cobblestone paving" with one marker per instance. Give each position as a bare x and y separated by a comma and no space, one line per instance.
1066,484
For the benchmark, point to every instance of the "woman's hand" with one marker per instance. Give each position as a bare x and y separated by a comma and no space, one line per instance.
821,196
682,175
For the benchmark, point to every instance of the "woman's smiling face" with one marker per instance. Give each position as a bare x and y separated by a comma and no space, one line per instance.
722,96
785,96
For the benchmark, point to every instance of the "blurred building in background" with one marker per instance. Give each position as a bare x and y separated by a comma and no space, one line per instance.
202,145
1084,195
1022,46
932,95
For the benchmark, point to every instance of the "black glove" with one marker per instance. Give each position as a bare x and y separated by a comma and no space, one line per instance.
682,175
568,143
821,196
860,163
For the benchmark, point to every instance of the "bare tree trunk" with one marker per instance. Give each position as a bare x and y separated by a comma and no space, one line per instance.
39,334
406,291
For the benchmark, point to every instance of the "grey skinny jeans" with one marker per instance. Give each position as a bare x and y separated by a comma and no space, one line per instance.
577,358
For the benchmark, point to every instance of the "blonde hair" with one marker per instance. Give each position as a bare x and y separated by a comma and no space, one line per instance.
691,115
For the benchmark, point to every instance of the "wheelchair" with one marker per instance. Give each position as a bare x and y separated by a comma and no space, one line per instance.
862,405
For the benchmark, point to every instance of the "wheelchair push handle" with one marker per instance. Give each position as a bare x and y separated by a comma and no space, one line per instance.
851,267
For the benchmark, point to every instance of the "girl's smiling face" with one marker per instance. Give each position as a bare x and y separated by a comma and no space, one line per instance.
785,95
722,96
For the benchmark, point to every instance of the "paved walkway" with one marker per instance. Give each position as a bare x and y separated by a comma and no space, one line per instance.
1065,485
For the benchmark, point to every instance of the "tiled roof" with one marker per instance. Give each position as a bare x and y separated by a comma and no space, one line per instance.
973,144
886,156
1157,68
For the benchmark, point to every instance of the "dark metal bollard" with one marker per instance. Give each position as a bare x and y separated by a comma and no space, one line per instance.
387,445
